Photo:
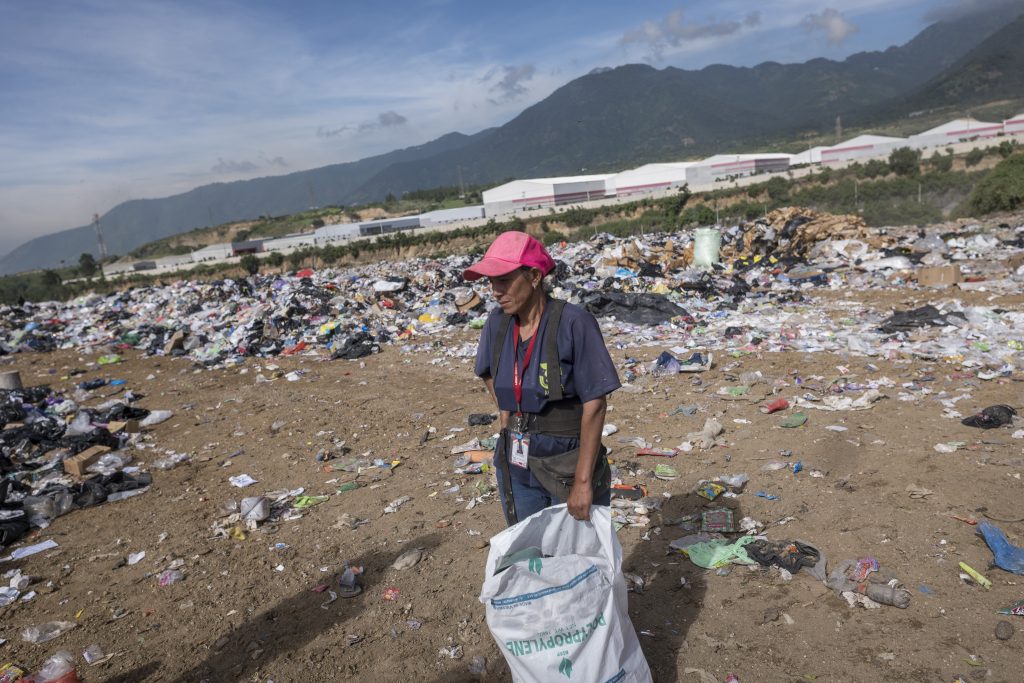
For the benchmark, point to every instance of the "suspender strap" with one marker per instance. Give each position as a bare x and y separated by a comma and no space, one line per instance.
501,457
551,350
499,342
550,347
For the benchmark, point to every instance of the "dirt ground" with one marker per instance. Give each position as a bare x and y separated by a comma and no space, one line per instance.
246,610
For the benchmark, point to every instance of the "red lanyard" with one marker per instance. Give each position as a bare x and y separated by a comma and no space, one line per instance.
517,382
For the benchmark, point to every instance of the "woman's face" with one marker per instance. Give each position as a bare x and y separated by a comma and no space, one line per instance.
515,290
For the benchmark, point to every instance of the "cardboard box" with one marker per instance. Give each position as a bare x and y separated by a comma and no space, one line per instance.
939,276
1015,262
76,464
176,341
129,426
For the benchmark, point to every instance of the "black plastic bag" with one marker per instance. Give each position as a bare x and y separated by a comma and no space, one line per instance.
925,316
991,417
639,309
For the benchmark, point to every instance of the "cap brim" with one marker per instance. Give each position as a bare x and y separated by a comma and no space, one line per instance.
488,267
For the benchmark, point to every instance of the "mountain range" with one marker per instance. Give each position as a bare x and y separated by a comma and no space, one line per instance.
608,120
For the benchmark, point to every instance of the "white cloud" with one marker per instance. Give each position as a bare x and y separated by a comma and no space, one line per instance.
512,84
831,23
673,30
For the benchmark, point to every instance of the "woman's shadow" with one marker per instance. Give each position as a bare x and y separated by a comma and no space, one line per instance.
674,588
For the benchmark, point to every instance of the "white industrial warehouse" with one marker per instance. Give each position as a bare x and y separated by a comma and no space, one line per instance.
533,194
539,193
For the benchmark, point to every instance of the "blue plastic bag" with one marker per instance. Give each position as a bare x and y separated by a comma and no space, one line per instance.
1006,555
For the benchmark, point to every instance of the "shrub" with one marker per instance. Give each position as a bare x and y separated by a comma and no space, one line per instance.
974,157
875,168
905,161
1000,190
250,263
943,163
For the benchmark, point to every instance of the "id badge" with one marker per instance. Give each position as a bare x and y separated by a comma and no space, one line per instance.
520,449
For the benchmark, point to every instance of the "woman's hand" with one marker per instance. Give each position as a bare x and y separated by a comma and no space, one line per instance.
581,496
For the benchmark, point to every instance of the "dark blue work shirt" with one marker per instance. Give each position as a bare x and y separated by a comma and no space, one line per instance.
587,372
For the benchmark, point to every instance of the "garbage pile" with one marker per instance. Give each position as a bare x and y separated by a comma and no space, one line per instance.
757,297
792,233
56,456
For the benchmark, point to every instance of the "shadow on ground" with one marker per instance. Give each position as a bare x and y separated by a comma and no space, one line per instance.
663,613
288,627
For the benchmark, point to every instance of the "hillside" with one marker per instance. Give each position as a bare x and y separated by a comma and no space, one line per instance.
137,222
992,70
606,120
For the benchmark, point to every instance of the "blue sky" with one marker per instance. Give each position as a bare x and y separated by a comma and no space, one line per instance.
102,101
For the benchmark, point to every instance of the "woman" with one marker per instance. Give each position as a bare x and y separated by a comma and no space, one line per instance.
549,372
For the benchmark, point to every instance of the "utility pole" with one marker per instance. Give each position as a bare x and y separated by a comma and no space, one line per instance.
100,244
312,197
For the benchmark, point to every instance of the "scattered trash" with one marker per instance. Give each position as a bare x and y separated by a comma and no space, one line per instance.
1016,609
793,421
407,560
973,574
169,577
1006,555
58,668
991,417
396,503
46,632
241,480
918,492
775,406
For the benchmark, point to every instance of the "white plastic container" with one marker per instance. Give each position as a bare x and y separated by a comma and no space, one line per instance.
707,245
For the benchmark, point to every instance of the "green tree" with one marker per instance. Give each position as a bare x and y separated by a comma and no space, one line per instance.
974,157
51,279
1000,190
943,163
777,189
875,168
250,263
87,265
275,259
1006,148
296,258
905,161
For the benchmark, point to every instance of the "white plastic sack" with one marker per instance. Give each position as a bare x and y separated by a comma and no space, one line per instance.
563,616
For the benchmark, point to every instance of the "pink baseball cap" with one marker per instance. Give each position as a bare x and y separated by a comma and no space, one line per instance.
509,251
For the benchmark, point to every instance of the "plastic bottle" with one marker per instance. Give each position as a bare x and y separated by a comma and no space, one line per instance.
44,632
886,594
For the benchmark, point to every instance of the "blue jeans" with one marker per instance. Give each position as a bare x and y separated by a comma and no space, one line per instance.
531,499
